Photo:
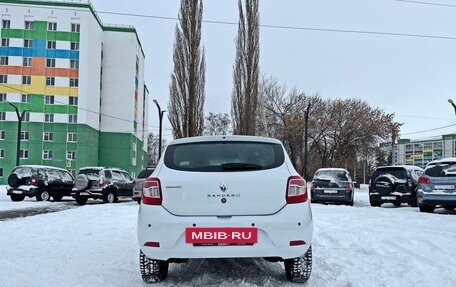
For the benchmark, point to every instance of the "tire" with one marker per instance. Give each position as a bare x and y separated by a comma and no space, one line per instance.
81,199
43,195
449,208
298,269
152,271
57,196
375,203
427,208
13,180
414,203
138,200
109,196
397,204
81,181
385,184
17,197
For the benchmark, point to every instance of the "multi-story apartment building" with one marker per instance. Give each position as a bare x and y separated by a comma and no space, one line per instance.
79,83
421,152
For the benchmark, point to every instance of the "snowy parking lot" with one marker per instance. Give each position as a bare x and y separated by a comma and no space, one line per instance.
95,245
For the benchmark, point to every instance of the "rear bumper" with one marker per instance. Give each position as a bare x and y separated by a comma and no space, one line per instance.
29,191
434,199
94,193
396,197
293,222
321,195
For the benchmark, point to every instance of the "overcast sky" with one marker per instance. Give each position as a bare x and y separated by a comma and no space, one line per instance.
410,76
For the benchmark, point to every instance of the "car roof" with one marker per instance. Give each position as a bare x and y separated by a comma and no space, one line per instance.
407,167
332,168
224,138
40,166
101,167
443,160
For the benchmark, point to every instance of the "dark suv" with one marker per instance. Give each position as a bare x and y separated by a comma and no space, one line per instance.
332,185
394,184
106,183
39,181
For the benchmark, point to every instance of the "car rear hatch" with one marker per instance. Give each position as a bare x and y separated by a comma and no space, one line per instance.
224,179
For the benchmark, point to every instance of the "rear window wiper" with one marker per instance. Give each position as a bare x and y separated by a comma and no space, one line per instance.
241,166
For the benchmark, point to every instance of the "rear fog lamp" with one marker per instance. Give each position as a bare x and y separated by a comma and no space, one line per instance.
297,242
152,244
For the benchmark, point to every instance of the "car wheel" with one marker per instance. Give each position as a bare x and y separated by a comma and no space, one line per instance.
138,200
81,199
109,196
81,181
13,180
298,269
152,271
17,197
414,203
375,203
397,204
43,195
449,208
57,196
427,208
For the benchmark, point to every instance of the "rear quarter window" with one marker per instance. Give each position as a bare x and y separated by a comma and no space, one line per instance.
224,156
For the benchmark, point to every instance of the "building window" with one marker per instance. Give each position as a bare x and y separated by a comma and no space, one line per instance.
24,136
25,98
28,25
51,44
2,135
26,80
5,42
2,97
28,43
73,119
49,118
74,46
1,171
47,154
49,100
4,61
71,155
27,62
47,136
6,24
2,153
75,28
72,137
3,79
23,154
74,82
52,26
74,64
2,116
73,101
50,81
50,63
26,117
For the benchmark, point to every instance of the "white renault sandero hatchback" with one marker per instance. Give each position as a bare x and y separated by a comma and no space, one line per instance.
225,197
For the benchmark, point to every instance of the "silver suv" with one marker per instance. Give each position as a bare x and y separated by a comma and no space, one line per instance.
106,183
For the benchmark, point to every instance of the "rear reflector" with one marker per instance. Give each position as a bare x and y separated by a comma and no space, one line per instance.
152,244
297,242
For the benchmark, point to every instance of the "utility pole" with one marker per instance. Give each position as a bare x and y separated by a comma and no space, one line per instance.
20,117
160,120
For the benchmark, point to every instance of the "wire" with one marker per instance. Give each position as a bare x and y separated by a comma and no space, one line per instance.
427,3
291,27
434,129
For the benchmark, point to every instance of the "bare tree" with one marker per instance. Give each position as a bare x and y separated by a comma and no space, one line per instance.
187,94
152,149
246,70
217,124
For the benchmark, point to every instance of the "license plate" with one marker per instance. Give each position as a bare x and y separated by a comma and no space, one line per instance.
389,197
221,235
330,191
444,187
17,192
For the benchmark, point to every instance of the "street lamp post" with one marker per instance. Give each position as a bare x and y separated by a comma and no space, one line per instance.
20,117
160,120
453,104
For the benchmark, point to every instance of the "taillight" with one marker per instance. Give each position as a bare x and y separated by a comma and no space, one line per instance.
424,180
314,184
101,183
296,190
152,192
33,181
348,185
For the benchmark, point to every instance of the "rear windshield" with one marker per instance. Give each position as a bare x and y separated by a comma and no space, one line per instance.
224,156
90,171
441,170
337,175
145,173
400,173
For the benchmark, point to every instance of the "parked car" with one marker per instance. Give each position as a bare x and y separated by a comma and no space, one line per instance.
106,183
332,185
42,182
225,197
139,182
394,184
437,186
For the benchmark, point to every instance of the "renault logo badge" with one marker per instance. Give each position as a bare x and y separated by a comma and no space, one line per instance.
223,187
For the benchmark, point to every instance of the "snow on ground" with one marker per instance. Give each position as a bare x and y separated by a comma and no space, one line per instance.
95,245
